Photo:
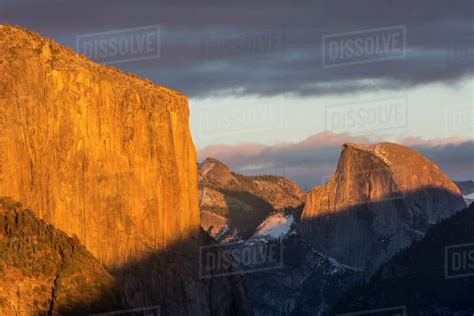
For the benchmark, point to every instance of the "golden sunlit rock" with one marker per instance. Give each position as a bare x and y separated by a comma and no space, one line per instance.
380,199
95,152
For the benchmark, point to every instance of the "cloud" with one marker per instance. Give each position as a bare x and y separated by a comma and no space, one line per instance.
311,161
267,47
455,159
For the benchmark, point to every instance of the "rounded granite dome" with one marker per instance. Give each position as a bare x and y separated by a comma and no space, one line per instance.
380,199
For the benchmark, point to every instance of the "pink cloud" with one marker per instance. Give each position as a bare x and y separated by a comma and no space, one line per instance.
312,160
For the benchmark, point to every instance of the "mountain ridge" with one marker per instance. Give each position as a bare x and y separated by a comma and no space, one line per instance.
233,205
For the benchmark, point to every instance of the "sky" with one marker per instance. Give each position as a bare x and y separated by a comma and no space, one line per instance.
289,76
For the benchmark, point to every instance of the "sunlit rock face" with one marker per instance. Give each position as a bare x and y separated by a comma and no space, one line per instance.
108,157
380,199
97,153
233,205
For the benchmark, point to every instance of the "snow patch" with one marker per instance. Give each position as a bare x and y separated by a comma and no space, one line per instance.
416,231
382,154
275,226
469,199
336,266
223,231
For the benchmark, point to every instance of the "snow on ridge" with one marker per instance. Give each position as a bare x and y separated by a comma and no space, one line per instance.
382,154
469,199
470,196
274,226
336,265
339,267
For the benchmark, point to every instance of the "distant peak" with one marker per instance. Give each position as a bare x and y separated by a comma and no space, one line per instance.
211,163
213,170
210,160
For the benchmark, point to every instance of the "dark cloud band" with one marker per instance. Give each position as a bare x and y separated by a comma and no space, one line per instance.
274,47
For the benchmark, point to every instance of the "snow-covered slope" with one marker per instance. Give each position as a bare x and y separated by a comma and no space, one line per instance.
274,226
469,199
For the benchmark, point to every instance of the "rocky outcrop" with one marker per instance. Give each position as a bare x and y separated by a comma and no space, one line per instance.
45,272
233,205
380,199
109,158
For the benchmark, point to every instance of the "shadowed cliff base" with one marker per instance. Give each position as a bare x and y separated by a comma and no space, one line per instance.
45,272
250,222
247,222
434,276
170,279
311,282
366,235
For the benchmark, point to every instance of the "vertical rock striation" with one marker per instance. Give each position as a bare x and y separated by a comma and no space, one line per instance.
380,199
95,152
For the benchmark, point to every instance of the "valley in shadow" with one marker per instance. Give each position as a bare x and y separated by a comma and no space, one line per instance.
315,273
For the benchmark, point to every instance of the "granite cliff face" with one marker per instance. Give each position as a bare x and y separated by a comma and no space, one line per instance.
108,157
233,205
45,272
380,199
95,152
